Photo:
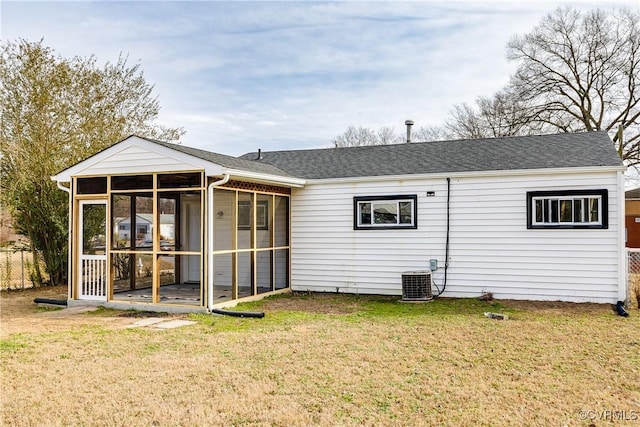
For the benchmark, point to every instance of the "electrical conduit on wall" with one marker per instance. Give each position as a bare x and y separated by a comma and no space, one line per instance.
446,246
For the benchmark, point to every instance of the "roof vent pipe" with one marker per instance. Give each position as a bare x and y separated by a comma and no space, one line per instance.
259,154
408,123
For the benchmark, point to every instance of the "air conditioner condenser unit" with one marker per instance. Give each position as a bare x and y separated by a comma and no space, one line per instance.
416,286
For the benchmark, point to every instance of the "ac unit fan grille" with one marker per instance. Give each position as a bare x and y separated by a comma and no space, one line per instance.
416,286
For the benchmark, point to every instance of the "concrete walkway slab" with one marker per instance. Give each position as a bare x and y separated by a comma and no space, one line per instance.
160,323
173,324
149,321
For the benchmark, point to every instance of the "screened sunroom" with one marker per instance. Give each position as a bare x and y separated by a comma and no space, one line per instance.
168,226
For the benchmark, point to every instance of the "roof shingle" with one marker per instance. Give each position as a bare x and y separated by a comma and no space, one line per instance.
240,163
563,150
632,194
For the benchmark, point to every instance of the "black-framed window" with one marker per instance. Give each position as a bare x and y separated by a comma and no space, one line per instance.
132,182
96,185
384,212
568,209
180,180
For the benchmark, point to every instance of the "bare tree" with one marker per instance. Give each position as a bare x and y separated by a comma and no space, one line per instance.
500,115
431,133
356,136
577,71
55,112
387,135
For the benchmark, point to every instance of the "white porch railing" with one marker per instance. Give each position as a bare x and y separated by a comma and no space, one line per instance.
94,277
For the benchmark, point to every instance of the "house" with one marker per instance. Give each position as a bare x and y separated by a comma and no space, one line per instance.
144,227
535,218
632,217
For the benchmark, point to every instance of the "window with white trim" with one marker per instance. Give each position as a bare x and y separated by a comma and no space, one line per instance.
567,209
380,212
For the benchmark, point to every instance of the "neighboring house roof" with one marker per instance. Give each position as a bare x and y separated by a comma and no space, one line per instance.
632,194
148,218
564,150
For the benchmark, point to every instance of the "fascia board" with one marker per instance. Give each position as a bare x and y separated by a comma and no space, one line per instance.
470,174
266,178
196,163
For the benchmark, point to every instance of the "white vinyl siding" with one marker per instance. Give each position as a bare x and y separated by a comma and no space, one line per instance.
136,156
491,248
137,160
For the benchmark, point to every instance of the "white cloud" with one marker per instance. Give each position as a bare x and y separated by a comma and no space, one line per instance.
281,75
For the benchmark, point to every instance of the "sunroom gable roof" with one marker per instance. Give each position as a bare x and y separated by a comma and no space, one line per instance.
136,155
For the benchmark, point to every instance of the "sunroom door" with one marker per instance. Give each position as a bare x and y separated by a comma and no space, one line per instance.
192,236
92,259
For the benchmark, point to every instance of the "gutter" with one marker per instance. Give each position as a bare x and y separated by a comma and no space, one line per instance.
468,174
70,240
267,178
210,247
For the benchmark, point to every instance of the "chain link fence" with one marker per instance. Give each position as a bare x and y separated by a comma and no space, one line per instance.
633,277
15,264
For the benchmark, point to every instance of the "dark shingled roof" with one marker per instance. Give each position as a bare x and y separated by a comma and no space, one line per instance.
564,150
632,194
226,161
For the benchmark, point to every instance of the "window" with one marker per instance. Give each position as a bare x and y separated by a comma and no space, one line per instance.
262,215
567,209
180,180
132,182
378,212
97,185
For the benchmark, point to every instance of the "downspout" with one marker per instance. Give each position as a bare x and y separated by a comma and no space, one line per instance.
69,243
210,245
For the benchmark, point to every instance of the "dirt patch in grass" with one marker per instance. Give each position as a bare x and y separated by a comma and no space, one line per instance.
138,314
330,303
319,303
20,315
18,312
20,302
557,307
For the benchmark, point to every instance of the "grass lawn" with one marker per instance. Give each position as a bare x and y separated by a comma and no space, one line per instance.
323,359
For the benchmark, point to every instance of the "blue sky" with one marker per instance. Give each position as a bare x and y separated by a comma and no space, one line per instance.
240,75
